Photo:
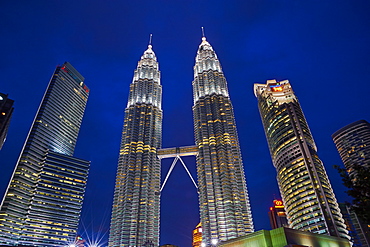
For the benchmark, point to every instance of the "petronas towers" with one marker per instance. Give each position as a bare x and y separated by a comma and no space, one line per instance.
135,213
223,198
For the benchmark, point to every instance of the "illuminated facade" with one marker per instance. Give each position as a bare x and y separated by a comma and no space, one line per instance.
197,236
277,215
44,198
359,232
135,213
353,144
309,200
286,237
6,111
223,198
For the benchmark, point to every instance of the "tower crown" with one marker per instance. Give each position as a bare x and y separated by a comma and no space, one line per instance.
206,58
149,53
208,75
145,86
279,91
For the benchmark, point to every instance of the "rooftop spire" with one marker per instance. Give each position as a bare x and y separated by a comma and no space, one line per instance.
203,35
150,41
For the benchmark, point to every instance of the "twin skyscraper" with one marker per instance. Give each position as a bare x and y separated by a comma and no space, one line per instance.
43,201
223,198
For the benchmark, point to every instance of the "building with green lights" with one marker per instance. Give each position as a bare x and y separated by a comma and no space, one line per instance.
286,237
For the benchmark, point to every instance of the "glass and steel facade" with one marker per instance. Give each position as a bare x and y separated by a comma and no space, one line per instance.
309,200
353,144
223,198
135,213
43,200
6,111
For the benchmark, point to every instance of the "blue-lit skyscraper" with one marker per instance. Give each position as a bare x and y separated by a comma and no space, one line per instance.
135,213
44,198
223,198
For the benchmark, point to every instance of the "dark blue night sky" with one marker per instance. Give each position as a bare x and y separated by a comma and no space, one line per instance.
322,47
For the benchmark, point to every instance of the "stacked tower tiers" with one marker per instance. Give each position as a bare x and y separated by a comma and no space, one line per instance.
223,198
135,213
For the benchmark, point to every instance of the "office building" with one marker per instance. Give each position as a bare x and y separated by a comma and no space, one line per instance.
286,237
223,198
277,215
353,145
6,111
359,232
309,200
197,236
135,213
43,201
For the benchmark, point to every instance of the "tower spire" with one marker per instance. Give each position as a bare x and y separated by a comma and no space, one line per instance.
203,35
150,41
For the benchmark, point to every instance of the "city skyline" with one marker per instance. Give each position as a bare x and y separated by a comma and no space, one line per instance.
322,48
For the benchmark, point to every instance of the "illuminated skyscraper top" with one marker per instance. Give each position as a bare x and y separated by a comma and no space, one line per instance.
223,197
142,92
309,200
205,61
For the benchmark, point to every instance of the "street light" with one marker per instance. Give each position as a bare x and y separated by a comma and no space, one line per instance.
214,241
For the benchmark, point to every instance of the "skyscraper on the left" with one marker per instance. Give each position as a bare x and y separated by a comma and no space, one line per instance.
43,201
6,111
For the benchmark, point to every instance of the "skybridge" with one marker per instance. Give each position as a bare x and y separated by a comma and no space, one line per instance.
177,153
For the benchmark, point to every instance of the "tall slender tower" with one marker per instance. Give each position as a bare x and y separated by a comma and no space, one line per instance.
135,213
223,197
43,200
309,200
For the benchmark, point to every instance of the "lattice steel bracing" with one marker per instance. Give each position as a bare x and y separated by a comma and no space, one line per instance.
224,204
135,213
309,200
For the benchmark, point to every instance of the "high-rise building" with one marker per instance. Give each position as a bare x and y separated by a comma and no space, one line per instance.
309,200
43,201
6,111
277,215
135,213
353,144
223,198
197,236
359,232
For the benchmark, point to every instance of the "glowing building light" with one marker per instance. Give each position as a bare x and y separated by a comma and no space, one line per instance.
310,203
